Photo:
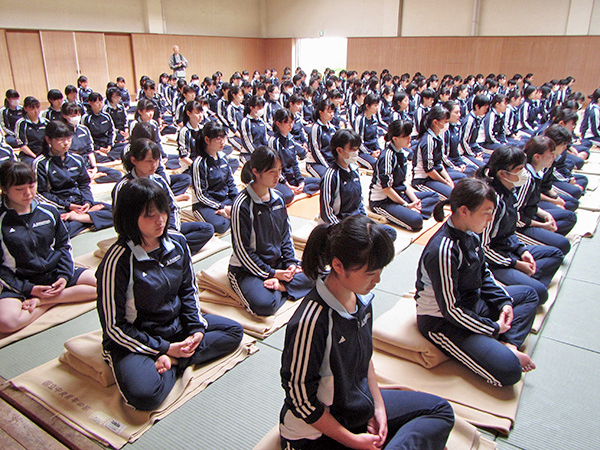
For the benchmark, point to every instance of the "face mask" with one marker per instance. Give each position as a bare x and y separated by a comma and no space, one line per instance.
352,158
14,102
260,112
275,97
289,91
74,121
522,178
444,128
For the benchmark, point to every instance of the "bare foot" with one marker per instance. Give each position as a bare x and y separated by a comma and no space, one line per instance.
30,304
97,207
272,283
526,362
162,364
183,197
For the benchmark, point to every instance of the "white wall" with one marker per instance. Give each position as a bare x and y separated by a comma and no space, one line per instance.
523,18
437,18
595,19
214,18
194,17
101,15
349,18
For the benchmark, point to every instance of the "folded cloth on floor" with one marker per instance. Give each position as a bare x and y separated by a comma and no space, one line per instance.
257,326
396,332
100,413
216,281
84,354
308,207
464,436
56,315
300,236
478,402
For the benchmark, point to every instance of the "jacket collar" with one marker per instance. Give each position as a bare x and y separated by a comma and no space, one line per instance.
334,304
140,254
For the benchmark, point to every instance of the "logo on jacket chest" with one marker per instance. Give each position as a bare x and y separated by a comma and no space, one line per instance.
173,260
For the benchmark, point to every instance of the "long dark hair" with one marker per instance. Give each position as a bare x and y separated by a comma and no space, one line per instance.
135,198
469,192
356,241
262,159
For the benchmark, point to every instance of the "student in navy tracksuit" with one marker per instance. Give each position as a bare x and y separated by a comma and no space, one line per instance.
298,132
341,406
64,182
472,151
366,126
103,130
453,162
565,182
141,161
357,100
10,113
83,145
429,174
511,261
272,105
117,113
550,197
6,151
400,103
537,224
189,134
263,269
460,307
590,126
152,327
426,102
234,117
214,186
55,98
389,195
494,125
125,96
292,182
320,155
530,114
253,129
341,191
30,131
36,264
84,92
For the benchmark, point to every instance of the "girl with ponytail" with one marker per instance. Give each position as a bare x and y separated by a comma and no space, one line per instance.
429,174
389,194
332,329
461,308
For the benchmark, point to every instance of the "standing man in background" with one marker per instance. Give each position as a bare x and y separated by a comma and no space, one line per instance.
178,63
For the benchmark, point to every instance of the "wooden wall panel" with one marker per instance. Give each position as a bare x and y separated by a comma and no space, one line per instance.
60,58
547,57
278,54
205,54
91,55
120,59
25,53
6,78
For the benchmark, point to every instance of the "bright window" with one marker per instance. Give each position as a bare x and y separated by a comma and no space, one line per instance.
320,53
